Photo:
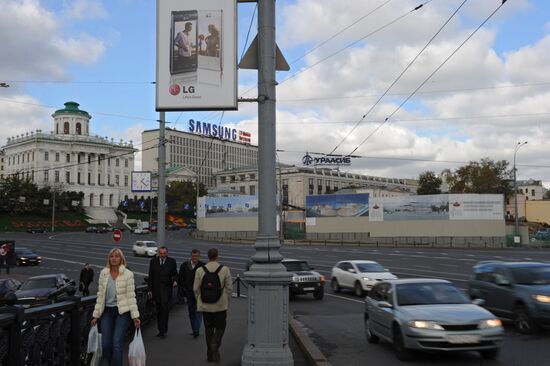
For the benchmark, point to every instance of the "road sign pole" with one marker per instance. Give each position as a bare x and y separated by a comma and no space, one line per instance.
161,193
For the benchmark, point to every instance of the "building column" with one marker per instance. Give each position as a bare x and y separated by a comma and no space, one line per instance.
94,169
105,170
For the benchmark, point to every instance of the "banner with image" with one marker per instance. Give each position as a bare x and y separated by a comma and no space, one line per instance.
238,206
429,207
337,205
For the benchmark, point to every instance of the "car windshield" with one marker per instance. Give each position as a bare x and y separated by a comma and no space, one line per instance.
25,252
429,294
370,267
151,244
534,275
39,283
297,266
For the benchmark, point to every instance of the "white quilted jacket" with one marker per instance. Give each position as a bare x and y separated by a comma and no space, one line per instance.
125,292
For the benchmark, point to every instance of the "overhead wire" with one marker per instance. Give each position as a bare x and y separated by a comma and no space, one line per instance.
399,76
430,76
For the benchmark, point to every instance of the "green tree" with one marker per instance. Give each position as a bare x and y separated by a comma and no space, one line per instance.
183,194
485,176
429,183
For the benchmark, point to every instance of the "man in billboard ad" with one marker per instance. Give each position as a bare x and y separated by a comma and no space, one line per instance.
196,55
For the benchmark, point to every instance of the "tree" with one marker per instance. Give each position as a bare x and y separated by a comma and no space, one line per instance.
182,196
429,183
485,176
546,195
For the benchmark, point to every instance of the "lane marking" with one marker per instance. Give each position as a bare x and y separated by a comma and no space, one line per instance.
345,298
93,265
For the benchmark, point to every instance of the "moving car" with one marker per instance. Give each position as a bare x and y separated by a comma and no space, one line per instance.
24,257
96,229
45,289
358,275
542,234
515,290
7,285
304,279
138,230
145,247
429,315
34,230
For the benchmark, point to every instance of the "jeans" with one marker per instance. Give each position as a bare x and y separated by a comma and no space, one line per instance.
214,327
195,317
113,328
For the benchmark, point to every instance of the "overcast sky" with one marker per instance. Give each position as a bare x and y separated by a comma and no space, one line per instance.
494,92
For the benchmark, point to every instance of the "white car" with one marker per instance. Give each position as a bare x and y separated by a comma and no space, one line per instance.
138,230
358,275
145,247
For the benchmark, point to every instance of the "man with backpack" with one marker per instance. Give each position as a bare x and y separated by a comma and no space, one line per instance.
213,288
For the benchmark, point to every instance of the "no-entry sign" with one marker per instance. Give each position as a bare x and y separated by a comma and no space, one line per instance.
117,235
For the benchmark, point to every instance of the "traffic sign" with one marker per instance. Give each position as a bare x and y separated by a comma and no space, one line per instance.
117,235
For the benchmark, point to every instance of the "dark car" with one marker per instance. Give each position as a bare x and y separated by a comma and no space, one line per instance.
91,229
304,279
7,285
45,289
542,234
96,229
519,291
35,230
25,257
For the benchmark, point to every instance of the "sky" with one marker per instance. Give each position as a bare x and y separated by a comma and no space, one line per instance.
344,55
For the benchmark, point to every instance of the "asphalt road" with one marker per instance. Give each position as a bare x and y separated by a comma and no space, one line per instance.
336,322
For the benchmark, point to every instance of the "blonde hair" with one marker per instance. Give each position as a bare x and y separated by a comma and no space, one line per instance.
122,258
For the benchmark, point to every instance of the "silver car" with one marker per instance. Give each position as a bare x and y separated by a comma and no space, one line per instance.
429,315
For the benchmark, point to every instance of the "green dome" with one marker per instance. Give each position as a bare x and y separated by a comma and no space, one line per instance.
71,108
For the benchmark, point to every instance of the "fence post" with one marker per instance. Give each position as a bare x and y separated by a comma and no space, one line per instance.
16,340
238,286
75,331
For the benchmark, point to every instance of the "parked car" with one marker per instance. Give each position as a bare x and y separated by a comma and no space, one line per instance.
358,275
145,247
7,285
543,234
138,230
35,230
97,229
24,257
153,228
172,227
304,279
429,315
45,289
519,291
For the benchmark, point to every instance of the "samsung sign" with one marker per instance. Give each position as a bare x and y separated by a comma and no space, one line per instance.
326,160
219,131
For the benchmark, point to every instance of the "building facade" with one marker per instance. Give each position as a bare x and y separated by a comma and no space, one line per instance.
202,154
2,155
295,183
70,159
532,189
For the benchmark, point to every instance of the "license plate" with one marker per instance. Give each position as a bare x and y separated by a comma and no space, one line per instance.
309,288
463,338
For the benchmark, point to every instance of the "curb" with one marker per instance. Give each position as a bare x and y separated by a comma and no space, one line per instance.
311,351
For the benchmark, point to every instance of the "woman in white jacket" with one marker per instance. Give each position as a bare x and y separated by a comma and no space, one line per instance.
115,305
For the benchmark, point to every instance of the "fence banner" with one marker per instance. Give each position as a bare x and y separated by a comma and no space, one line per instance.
337,205
476,207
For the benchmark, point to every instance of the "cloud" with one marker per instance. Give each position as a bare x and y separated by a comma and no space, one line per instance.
84,9
22,114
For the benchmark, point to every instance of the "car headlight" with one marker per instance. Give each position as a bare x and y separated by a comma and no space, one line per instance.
294,278
23,258
366,278
490,323
322,278
542,298
39,258
425,324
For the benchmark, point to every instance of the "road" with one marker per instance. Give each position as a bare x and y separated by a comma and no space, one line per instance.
336,322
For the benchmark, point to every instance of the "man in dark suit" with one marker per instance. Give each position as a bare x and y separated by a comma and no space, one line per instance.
185,282
163,274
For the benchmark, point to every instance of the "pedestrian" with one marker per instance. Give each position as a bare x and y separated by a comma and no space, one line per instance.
163,275
86,277
213,288
115,305
185,283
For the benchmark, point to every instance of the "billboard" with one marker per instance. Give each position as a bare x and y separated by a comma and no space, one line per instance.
196,55
337,205
429,207
238,206
476,207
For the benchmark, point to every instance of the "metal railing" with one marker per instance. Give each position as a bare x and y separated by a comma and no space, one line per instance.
55,334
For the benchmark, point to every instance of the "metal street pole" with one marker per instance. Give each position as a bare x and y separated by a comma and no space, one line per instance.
516,218
267,342
161,193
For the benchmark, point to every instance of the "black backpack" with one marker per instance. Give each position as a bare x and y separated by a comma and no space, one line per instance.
211,286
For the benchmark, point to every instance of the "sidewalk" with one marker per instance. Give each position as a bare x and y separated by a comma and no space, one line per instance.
180,348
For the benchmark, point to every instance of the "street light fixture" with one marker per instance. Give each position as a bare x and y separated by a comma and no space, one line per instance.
516,218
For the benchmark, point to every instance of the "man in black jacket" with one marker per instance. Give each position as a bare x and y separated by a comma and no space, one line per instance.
185,282
163,274
86,277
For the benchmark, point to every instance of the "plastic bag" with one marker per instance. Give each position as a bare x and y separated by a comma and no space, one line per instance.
94,345
136,352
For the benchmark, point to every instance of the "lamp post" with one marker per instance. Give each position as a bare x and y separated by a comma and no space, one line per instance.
516,227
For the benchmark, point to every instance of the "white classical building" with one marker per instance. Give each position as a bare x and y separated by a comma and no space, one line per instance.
70,159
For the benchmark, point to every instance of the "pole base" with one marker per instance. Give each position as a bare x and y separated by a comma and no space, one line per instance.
255,356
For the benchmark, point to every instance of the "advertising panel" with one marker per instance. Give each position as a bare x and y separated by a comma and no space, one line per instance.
196,55
337,205
429,207
238,206
476,207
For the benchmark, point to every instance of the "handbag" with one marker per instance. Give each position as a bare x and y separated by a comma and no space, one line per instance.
136,352
94,345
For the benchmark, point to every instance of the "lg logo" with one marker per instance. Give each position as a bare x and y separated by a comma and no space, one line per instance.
175,89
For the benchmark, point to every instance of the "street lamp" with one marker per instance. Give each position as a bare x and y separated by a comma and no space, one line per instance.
516,231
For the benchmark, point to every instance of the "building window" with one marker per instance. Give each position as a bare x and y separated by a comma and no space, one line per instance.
222,179
532,192
46,156
68,177
46,176
79,128
56,156
252,190
78,177
109,179
99,179
125,181
89,158
68,158
310,183
66,128
56,175
126,163
252,176
117,162
108,161
319,186
242,189
117,180
89,178
242,177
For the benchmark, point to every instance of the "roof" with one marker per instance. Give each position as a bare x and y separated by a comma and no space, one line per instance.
55,275
355,261
513,264
404,281
71,108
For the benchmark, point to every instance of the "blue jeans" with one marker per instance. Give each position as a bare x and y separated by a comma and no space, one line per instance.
113,328
194,316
